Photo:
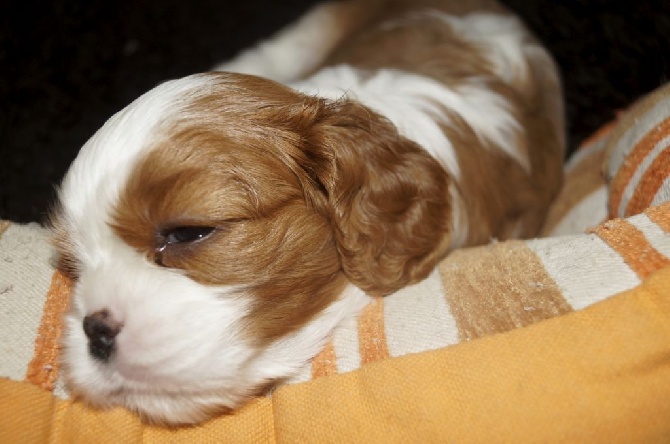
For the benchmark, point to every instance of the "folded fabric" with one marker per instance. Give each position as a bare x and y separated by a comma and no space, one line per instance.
476,293
597,375
638,156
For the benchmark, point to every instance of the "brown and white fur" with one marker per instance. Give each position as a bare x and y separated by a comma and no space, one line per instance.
222,225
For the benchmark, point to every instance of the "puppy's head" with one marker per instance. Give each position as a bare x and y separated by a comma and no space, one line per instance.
220,227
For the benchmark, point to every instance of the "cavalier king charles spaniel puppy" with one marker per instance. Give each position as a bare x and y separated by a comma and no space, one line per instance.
222,225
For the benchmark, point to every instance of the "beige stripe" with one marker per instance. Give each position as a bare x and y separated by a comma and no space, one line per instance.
499,287
4,224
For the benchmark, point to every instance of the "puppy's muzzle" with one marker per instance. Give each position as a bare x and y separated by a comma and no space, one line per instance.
101,329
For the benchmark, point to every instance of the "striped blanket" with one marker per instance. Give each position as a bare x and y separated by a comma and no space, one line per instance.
607,243
492,289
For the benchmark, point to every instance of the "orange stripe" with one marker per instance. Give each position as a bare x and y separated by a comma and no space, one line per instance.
660,215
650,183
325,363
43,368
632,245
371,334
632,162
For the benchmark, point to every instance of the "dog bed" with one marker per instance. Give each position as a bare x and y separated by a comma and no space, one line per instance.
564,338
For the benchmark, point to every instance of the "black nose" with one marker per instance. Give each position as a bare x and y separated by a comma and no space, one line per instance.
101,330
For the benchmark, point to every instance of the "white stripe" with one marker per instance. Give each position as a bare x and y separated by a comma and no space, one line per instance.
417,318
663,193
345,343
584,267
658,238
24,282
587,213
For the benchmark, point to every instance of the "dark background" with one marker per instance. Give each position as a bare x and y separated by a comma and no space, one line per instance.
67,66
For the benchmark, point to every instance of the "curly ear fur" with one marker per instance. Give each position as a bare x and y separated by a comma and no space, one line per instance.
388,199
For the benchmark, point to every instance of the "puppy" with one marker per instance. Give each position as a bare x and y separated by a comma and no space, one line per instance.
222,225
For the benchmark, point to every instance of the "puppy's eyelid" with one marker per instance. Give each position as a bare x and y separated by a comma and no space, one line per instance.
185,234
193,232
175,238
179,236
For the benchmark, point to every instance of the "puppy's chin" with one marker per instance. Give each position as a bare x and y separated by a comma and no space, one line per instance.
160,408
183,353
157,406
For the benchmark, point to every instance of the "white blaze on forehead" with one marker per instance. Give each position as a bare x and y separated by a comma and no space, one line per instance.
96,177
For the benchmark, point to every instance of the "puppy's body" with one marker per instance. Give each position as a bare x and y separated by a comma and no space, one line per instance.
464,80
222,225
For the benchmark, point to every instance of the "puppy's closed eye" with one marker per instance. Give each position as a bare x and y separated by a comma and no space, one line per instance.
186,234
180,237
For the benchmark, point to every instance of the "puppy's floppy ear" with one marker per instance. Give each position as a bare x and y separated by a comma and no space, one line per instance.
387,198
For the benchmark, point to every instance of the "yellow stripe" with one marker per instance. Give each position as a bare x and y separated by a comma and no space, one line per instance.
43,368
499,287
632,245
371,333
